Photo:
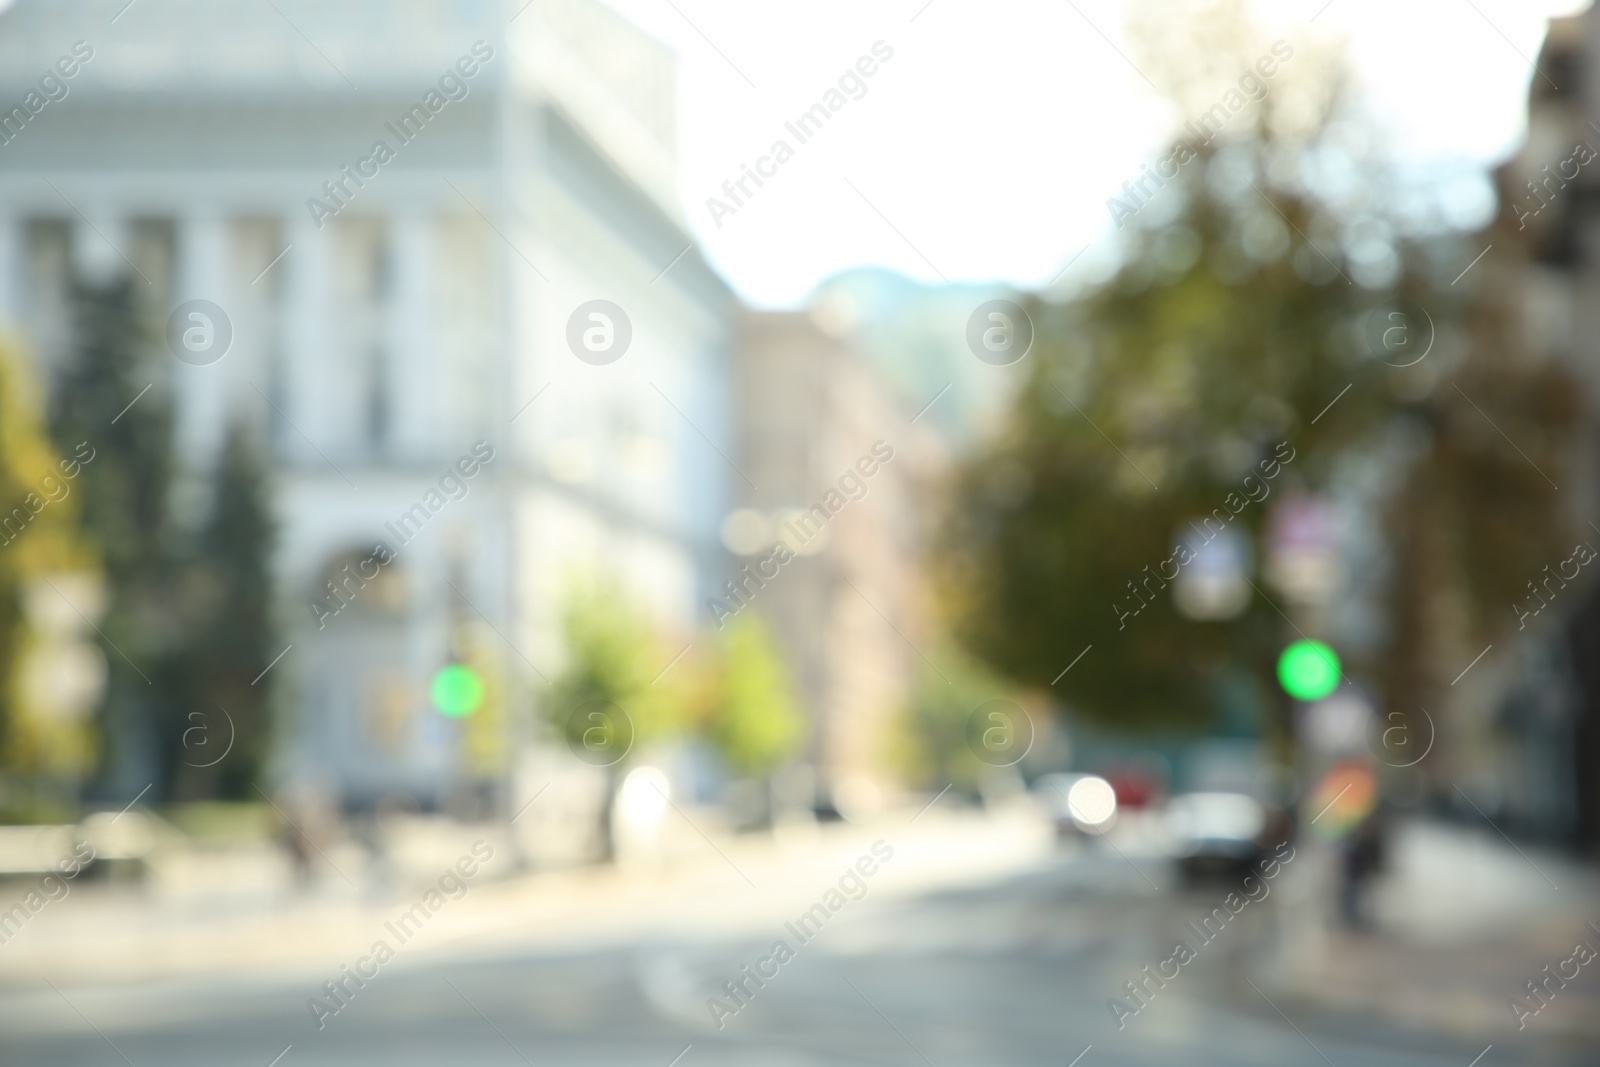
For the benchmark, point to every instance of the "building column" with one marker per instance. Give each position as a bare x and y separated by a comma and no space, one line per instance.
417,389
200,396
303,406
12,262
102,246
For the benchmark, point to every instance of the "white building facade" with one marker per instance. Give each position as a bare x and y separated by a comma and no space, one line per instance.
397,207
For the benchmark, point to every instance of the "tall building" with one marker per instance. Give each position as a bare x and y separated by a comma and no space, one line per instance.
836,472
399,212
1550,190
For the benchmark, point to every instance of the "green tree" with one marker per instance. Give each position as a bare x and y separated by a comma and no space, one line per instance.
613,654
40,756
930,747
231,638
756,723
188,626
604,703
111,393
1238,314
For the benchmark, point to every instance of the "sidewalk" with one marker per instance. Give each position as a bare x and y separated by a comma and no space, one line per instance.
1463,921
735,885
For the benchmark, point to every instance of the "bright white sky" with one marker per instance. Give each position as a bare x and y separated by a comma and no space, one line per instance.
994,136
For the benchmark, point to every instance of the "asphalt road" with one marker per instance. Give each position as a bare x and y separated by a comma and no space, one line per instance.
1017,971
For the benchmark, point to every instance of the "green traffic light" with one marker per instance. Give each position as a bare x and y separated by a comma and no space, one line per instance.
1308,670
456,690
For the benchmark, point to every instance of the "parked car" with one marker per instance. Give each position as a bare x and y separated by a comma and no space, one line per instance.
1217,834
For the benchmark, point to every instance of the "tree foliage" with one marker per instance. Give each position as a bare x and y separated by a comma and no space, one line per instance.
756,723
1238,314
734,692
931,744
614,654
230,629
40,756
187,628
125,494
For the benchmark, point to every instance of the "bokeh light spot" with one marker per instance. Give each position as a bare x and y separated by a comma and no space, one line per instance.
457,690
1308,670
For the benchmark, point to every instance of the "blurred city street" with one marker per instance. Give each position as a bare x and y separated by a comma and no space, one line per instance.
980,941
629,533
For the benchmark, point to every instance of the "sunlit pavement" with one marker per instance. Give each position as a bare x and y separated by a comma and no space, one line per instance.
976,943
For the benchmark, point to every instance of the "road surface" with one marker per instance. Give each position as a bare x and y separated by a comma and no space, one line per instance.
1017,968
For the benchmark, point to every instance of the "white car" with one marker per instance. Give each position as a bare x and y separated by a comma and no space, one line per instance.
1216,833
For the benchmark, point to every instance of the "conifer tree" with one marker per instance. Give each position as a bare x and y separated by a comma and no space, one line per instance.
111,391
231,634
